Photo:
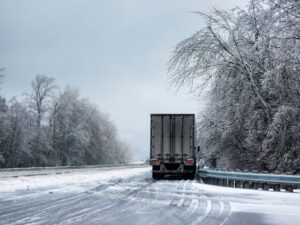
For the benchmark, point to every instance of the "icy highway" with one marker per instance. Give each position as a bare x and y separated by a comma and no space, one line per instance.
125,195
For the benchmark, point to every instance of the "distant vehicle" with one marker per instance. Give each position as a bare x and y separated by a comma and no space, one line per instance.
172,145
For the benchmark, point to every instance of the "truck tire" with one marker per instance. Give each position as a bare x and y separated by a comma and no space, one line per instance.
157,176
190,176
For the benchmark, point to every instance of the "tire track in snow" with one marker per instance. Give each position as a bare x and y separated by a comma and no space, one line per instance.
37,212
27,207
134,201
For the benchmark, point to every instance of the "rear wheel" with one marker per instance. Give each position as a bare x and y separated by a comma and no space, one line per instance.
192,176
157,176
189,176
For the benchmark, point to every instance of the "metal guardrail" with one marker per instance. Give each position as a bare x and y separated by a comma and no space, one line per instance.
250,179
66,167
247,176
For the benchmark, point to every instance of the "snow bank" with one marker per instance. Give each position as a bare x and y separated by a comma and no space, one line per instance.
74,180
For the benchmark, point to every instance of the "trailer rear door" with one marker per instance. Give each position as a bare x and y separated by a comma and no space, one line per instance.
172,137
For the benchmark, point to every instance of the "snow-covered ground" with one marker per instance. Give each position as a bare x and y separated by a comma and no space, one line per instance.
66,178
130,196
273,207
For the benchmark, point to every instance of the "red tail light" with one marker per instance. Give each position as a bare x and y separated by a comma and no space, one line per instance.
189,161
154,162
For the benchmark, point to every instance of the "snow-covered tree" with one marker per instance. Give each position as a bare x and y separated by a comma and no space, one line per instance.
43,88
69,137
54,130
246,64
81,134
15,146
4,126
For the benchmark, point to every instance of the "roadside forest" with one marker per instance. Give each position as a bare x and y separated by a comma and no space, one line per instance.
245,65
54,127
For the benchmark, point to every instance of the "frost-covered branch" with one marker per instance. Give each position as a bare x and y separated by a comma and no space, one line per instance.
246,64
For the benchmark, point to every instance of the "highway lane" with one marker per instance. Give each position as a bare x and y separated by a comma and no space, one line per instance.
141,200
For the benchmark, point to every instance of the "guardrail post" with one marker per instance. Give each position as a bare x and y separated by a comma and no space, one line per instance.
283,186
213,181
295,187
259,185
220,182
276,187
242,184
209,180
230,183
265,186
289,188
216,181
246,185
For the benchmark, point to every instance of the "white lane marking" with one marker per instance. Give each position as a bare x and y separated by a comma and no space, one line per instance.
180,203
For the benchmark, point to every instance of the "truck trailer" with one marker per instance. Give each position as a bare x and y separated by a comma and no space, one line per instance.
172,145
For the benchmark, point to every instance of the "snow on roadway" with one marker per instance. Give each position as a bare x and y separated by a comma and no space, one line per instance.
124,195
275,207
76,179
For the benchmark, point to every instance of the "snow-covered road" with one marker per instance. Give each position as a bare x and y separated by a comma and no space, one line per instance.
130,196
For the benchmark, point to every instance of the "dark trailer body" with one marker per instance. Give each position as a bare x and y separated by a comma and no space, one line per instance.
172,145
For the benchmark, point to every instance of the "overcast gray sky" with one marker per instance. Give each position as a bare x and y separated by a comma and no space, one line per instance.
114,51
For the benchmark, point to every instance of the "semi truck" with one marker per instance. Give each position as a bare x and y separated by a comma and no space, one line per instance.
172,145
